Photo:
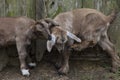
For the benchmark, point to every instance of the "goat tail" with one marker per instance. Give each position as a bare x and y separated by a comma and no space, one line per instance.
112,16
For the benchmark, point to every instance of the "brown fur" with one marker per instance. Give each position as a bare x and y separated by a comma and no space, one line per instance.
20,31
91,26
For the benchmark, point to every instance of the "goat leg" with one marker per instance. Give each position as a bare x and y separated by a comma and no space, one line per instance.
65,63
20,43
32,54
58,64
106,45
80,46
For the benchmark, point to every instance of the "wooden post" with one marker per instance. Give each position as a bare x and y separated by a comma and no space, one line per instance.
2,8
40,9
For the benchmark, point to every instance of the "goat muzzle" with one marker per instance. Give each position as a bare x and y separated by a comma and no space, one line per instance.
49,37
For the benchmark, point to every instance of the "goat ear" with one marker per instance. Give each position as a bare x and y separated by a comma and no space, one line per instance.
72,36
51,43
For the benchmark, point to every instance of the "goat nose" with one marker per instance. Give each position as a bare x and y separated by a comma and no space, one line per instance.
49,37
63,40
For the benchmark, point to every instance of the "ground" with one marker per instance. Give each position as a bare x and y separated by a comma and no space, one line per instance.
79,70
82,67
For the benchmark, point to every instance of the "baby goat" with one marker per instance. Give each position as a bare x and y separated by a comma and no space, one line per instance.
89,25
21,31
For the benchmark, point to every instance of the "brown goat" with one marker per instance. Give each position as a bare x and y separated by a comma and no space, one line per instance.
21,30
90,26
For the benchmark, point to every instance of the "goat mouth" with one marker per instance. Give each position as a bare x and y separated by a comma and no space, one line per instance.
61,48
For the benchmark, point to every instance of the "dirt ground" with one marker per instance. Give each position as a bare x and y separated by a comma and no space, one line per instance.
80,69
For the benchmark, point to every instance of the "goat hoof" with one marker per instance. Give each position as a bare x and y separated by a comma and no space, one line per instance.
76,47
63,71
60,72
25,72
32,65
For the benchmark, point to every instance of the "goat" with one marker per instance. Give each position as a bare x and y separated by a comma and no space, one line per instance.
21,30
89,25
